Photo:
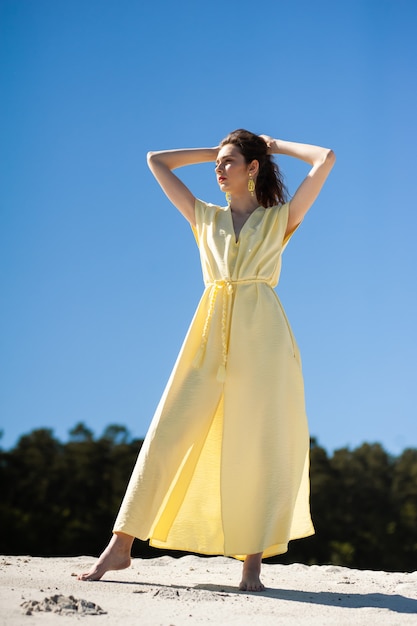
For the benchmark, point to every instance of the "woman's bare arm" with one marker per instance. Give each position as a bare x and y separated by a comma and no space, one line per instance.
321,160
161,165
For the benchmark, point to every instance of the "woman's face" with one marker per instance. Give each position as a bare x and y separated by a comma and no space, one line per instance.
232,171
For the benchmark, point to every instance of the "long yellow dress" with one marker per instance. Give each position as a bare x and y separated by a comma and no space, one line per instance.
224,468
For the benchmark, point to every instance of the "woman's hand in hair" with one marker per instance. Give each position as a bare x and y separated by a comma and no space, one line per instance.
269,142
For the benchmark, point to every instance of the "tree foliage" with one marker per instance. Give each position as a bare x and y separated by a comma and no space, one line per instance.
61,499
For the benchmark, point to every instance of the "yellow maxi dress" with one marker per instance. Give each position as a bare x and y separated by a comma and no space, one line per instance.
224,468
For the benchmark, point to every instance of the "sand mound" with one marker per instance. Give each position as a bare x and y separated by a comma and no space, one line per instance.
63,605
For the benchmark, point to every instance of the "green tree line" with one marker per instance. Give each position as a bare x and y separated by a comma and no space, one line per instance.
61,499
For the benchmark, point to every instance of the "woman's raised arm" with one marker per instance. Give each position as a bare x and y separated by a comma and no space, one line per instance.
321,160
161,165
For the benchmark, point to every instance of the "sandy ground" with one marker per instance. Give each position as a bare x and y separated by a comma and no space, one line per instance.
196,590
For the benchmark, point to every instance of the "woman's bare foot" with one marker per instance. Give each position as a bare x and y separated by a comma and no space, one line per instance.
251,572
115,556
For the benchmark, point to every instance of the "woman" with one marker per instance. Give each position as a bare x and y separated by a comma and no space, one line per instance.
224,466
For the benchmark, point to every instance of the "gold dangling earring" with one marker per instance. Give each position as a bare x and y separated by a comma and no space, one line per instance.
228,197
251,186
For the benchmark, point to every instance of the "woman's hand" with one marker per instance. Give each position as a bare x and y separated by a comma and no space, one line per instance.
270,141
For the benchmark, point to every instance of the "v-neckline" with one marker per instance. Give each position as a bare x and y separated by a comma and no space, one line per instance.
237,239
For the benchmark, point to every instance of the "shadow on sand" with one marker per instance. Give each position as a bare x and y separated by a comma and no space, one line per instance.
396,603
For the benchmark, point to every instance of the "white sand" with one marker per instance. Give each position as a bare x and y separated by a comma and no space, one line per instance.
196,590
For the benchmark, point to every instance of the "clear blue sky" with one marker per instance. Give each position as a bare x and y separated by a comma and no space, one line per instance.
100,275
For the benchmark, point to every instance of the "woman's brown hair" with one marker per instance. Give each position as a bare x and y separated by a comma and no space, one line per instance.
269,188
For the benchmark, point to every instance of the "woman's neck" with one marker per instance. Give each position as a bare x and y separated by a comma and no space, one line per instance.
244,204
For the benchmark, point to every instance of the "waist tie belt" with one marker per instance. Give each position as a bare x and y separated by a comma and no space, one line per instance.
225,284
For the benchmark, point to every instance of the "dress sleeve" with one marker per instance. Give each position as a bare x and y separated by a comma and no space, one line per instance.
203,216
284,214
